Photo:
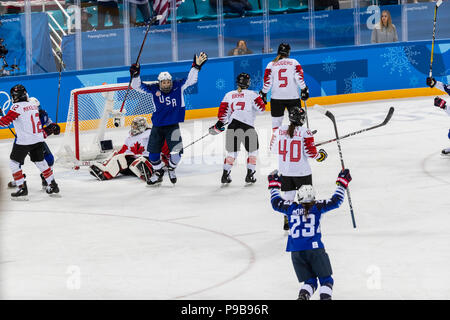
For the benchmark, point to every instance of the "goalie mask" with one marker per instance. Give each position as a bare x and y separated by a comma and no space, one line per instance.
306,194
19,93
243,80
297,116
165,82
138,125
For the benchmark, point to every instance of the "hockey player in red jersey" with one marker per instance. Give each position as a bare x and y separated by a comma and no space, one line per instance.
441,103
283,76
294,144
239,108
132,158
24,115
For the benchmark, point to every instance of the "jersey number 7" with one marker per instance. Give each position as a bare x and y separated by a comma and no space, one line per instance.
295,150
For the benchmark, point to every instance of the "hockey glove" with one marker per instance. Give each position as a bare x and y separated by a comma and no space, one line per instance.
441,103
217,128
431,82
199,60
52,128
263,96
135,70
344,178
321,155
304,94
274,180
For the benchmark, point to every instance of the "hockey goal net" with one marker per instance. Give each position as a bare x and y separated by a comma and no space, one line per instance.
90,125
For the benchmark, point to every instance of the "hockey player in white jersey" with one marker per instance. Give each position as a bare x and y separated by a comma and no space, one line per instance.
294,144
441,103
283,76
24,115
239,108
132,158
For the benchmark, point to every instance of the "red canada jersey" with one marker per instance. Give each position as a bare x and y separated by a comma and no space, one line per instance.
293,153
24,116
137,145
242,106
284,78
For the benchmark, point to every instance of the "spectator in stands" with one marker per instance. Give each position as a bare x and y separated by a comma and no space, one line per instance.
143,6
241,49
85,24
111,8
385,31
324,4
233,6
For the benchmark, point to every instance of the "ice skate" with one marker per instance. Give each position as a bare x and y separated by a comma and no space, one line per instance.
21,193
172,175
445,153
303,295
44,182
156,179
250,179
226,178
53,189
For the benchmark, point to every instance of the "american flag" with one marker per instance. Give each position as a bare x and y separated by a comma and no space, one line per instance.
162,7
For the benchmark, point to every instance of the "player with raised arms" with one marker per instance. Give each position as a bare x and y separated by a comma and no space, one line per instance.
238,109
294,144
132,158
24,115
309,258
283,76
168,99
441,103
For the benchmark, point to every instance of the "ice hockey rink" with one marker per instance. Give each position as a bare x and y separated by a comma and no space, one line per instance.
120,239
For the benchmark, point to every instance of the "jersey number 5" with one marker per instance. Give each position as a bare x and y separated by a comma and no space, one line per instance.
37,126
283,79
294,155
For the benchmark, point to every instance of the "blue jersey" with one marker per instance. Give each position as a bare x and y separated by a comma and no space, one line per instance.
169,107
43,117
304,231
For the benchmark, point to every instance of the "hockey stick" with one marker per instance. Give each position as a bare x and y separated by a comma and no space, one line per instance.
306,112
438,3
386,120
190,144
118,116
332,118
61,66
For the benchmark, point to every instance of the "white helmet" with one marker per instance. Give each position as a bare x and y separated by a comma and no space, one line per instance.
138,125
35,101
165,76
306,194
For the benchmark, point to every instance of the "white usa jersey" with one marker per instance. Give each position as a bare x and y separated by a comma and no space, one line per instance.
136,145
293,153
242,106
25,117
284,78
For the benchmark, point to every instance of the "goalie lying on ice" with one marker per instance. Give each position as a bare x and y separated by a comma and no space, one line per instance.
132,158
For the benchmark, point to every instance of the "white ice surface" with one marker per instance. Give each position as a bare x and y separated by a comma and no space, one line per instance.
120,239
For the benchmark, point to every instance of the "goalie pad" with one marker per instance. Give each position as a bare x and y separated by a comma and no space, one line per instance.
142,168
109,169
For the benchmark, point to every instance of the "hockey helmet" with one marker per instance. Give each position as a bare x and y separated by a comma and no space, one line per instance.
35,101
138,125
165,82
306,194
243,80
19,93
297,116
284,49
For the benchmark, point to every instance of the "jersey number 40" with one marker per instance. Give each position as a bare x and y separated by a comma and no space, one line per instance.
295,150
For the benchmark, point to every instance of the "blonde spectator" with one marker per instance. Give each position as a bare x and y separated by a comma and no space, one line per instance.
385,31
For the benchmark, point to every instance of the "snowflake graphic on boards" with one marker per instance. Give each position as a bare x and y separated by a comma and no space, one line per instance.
244,64
400,59
353,84
413,81
257,80
220,84
329,65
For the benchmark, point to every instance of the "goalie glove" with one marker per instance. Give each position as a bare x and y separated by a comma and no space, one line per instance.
344,178
135,70
274,180
304,94
199,60
441,103
217,128
263,96
321,155
431,82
